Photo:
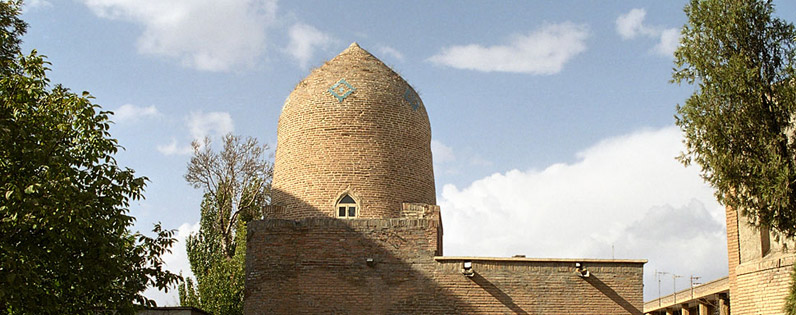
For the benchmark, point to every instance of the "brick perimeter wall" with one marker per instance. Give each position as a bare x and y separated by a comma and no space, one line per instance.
762,286
535,287
318,265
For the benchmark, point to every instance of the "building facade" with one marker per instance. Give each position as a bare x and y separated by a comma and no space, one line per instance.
354,227
759,267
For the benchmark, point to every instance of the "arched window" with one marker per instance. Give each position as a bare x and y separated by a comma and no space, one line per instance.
346,207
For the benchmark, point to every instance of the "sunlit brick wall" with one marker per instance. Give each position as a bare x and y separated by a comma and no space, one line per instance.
372,143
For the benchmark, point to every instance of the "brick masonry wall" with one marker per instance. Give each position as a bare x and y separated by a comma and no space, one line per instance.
319,266
758,285
374,144
733,250
762,286
529,286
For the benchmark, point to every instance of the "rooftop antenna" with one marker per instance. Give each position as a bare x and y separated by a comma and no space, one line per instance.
694,283
658,275
674,286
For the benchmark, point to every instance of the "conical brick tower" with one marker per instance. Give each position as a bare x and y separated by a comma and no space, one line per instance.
353,142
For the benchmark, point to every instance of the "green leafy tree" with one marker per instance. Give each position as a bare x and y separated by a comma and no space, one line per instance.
10,37
236,182
65,243
739,122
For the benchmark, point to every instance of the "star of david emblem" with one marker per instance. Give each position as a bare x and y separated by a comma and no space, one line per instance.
341,90
411,98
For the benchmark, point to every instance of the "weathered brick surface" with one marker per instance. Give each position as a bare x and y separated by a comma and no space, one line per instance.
759,282
762,285
535,286
319,265
373,145
733,250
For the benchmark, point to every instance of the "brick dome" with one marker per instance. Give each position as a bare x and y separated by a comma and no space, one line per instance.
352,127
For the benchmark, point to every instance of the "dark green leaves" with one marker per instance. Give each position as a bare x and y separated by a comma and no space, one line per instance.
738,124
65,244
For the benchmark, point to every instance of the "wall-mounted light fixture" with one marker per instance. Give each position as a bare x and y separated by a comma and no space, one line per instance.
467,269
581,271
370,262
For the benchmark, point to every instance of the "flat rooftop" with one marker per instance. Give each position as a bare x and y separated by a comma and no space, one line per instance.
525,259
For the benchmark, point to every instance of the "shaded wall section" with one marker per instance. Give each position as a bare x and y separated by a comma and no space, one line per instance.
333,266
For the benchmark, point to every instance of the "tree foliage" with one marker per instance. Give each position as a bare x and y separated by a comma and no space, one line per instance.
790,300
65,243
236,182
11,30
237,179
739,122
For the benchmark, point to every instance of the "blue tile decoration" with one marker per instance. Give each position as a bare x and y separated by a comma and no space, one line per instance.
341,90
411,98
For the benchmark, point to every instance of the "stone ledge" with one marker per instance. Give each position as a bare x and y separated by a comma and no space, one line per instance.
353,223
523,259
765,263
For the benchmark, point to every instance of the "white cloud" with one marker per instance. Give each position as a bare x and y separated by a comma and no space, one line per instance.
670,40
685,240
203,34
174,149
304,40
449,161
477,160
544,51
177,262
631,24
209,124
392,52
132,113
441,152
628,192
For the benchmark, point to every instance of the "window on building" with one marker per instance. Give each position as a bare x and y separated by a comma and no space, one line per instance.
346,207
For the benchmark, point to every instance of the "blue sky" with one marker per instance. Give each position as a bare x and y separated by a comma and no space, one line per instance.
552,121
